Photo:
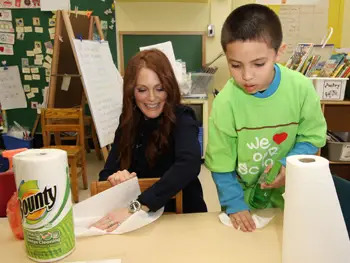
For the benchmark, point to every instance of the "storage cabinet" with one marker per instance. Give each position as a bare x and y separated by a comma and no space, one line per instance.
337,114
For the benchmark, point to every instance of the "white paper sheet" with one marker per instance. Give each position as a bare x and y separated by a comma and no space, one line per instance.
19,4
65,83
119,196
5,15
260,217
53,5
167,49
303,24
6,26
103,86
11,91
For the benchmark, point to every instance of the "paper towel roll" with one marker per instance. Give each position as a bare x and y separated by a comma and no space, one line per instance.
314,229
42,179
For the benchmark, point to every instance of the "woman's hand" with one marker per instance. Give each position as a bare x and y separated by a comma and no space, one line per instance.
120,177
279,181
243,220
112,220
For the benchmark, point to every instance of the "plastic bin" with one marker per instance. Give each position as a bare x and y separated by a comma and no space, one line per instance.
330,88
339,151
201,85
12,143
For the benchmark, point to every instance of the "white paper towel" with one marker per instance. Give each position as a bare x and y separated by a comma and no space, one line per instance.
42,179
314,229
260,217
119,196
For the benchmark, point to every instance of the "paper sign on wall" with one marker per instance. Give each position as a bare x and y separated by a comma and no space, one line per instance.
345,153
19,3
6,26
11,90
7,38
53,5
6,49
5,15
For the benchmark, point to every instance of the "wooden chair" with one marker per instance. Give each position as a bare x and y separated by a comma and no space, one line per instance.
57,120
90,133
145,183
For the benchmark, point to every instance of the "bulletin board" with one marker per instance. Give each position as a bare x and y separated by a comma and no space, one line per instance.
103,9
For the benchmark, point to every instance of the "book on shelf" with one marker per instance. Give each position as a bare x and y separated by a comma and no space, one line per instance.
321,54
331,65
299,56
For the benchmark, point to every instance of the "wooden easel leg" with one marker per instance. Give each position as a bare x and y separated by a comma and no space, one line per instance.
96,145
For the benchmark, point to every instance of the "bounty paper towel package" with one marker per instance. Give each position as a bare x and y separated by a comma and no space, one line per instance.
42,179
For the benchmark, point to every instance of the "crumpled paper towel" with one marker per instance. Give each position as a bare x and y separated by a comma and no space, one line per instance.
260,217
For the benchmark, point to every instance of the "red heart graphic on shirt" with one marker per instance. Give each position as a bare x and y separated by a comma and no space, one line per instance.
280,137
1,49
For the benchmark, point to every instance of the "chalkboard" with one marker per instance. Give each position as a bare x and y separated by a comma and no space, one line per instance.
188,46
26,117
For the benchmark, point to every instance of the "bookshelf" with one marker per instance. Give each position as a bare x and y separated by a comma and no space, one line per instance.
337,115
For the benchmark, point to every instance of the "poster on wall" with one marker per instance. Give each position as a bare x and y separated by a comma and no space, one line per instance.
5,15
287,2
19,3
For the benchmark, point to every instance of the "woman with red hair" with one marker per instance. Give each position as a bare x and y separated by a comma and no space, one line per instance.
156,137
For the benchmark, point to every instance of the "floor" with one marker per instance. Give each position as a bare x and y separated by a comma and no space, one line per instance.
94,166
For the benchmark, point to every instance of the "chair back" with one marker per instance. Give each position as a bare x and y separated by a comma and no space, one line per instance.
145,183
58,120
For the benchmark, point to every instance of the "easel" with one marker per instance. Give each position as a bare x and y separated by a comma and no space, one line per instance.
65,59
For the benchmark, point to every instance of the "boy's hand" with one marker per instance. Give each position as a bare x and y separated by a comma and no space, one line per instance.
243,220
279,181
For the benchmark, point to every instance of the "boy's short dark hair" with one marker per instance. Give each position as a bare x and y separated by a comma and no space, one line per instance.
252,22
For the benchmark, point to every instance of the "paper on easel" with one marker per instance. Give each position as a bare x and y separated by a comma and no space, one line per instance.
167,49
314,229
54,5
103,86
11,91
91,210
65,83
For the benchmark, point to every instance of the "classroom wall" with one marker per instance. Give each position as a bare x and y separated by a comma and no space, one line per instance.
346,23
193,17
174,16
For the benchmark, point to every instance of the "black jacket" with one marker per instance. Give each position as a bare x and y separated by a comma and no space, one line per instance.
178,167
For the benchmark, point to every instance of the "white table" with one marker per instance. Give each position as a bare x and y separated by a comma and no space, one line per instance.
172,238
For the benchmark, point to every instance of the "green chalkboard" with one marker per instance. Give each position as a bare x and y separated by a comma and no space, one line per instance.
187,47
26,117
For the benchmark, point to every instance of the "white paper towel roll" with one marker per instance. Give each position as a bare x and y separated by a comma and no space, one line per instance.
314,229
42,179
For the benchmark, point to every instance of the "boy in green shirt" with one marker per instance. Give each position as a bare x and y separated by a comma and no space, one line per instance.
264,113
